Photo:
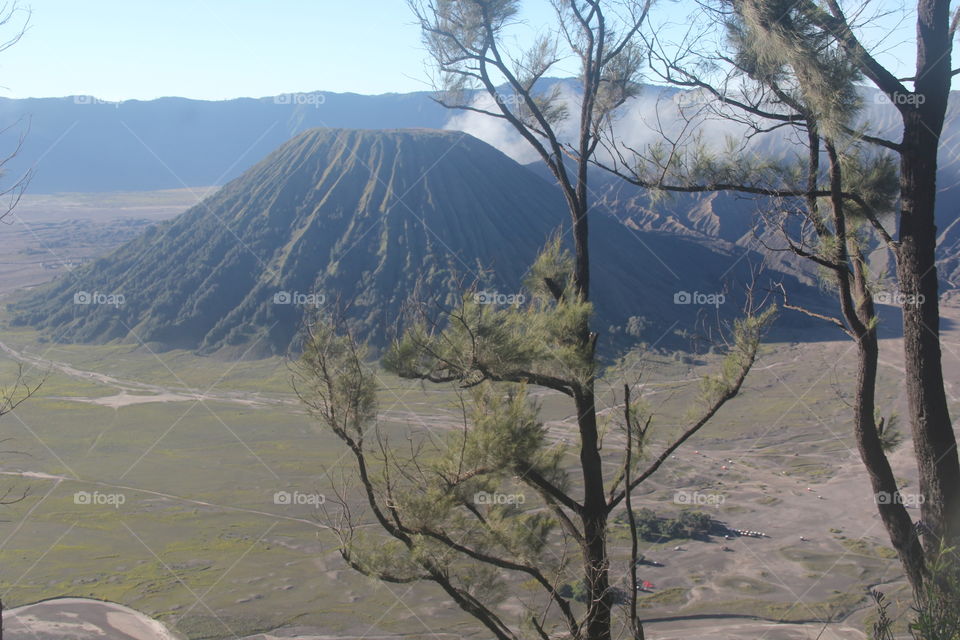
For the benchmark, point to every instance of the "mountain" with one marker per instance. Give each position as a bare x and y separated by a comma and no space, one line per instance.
361,219
83,144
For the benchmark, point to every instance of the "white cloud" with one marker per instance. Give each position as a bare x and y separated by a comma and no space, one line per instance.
639,124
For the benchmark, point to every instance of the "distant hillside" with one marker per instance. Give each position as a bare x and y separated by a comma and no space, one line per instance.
359,219
79,143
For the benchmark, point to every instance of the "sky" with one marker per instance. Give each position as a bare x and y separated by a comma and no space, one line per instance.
221,49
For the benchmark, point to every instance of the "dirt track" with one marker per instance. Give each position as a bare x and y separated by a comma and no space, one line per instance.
81,619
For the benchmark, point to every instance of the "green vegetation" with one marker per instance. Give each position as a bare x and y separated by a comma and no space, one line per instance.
200,460
686,525
671,597
867,548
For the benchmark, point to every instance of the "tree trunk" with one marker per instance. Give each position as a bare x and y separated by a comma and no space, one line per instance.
594,519
582,248
933,437
594,514
856,303
895,518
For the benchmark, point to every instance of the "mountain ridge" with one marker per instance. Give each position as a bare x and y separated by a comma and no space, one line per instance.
363,219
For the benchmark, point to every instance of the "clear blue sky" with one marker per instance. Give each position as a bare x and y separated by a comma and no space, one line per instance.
217,49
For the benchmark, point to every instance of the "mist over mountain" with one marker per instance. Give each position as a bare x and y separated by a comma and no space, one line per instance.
361,220
729,217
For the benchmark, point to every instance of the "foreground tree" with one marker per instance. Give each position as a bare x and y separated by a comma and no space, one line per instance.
922,112
20,390
425,502
794,66
14,16
11,397
479,508
465,39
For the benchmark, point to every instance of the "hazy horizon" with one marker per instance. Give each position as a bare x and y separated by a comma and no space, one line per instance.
218,51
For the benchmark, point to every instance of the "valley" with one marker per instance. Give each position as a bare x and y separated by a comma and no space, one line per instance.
480,320
47,235
199,448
